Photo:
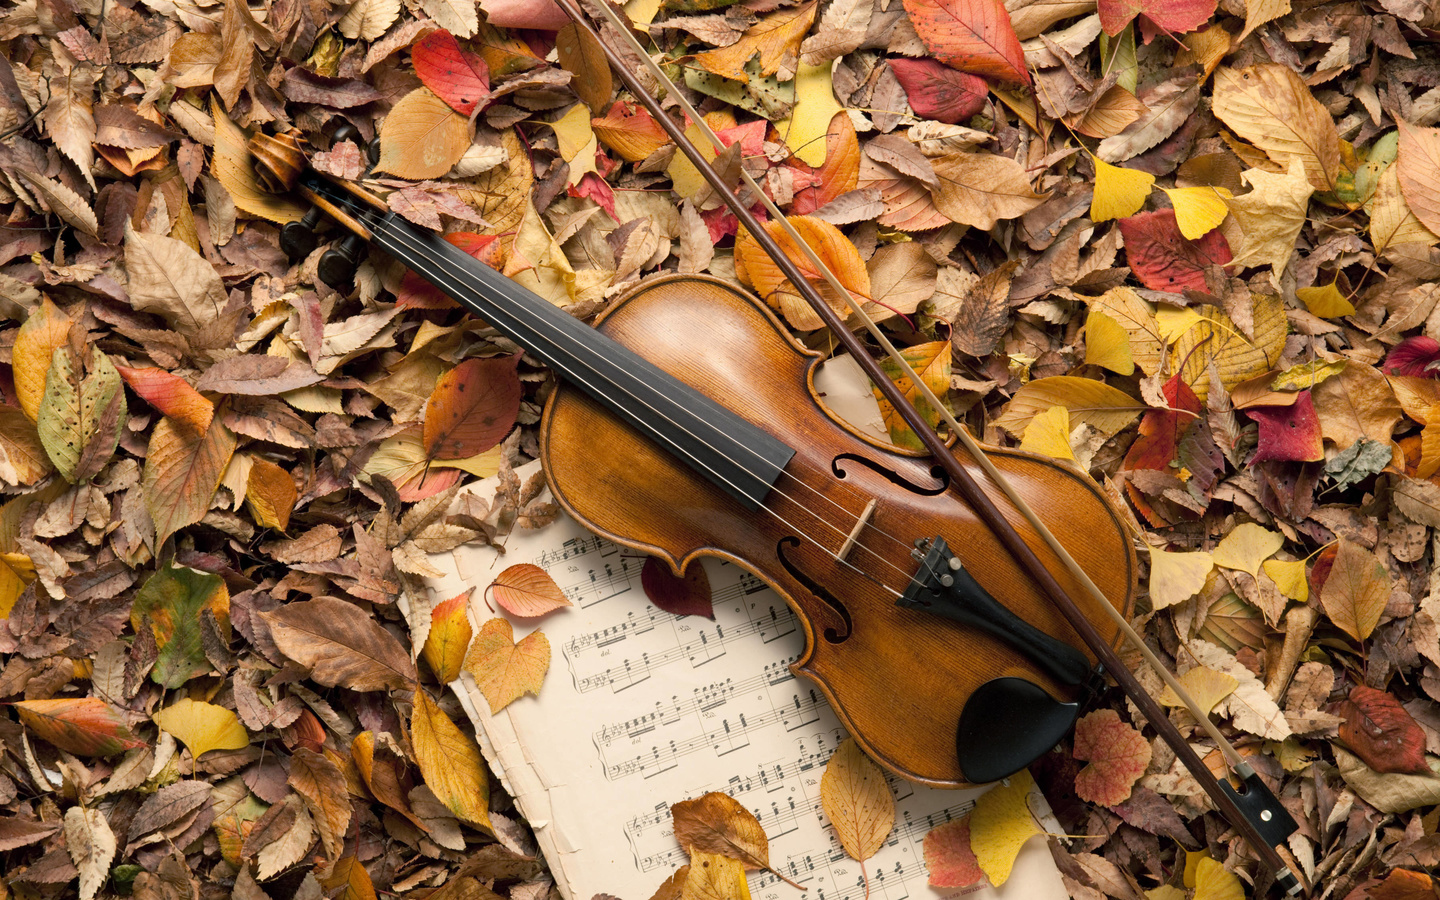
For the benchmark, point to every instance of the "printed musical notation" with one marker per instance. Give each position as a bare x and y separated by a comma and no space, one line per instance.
642,709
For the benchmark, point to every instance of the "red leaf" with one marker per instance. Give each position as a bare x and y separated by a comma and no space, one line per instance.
948,857
1382,733
973,36
1163,259
1289,433
1320,571
939,92
170,394
417,293
1162,430
681,596
593,187
456,75
1173,16
1418,356
472,408
1118,756
84,726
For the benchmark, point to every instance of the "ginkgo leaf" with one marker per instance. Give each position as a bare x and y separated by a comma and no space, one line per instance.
1118,755
1198,210
776,38
1107,344
1289,576
527,591
422,137
1213,882
1205,686
449,638
202,727
85,726
472,407
1000,824
973,36
505,669
715,877
1119,192
857,801
1176,577
1049,434
1356,590
1246,547
450,762
1325,301
948,857
42,332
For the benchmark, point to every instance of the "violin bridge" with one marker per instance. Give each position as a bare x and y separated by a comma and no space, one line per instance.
855,532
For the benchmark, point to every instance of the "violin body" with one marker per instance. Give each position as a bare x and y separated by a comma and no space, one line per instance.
897,678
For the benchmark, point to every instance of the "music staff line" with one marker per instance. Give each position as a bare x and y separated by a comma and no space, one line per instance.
644,623
703,700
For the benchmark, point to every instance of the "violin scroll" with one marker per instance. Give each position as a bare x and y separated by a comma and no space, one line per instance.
279,161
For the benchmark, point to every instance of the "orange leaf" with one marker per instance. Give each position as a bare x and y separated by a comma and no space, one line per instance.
630,131
472,408
841,171
171,395
86,726
449,638
717,823
45,329
1118,756
948,857
776,38
527,591
755,268
270,493
422,137
1382,732
973,36
506,670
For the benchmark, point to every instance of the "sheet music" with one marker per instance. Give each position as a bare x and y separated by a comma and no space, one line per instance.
641,709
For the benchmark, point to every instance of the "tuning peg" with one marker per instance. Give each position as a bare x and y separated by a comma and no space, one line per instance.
298,239
347,132
338,264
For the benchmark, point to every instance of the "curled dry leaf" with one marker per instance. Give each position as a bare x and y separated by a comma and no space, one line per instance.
717,823
527,591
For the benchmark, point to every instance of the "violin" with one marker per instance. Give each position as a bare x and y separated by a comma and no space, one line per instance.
956,641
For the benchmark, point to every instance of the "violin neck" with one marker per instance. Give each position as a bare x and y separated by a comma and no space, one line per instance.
734,454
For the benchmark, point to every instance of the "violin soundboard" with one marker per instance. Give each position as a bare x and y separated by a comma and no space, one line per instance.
641,709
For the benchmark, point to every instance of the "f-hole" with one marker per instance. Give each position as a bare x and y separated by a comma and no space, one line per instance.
831,635
936,472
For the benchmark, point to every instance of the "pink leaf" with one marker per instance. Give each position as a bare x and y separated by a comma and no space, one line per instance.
1118,756
1172,16
1290,433
542,14
939,92
948,857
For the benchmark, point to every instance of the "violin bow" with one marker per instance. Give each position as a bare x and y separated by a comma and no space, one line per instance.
1252,810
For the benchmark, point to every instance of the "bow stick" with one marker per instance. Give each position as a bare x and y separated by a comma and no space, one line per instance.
1253,811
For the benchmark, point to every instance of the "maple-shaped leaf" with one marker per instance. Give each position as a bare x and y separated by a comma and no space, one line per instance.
1382,732
1289,433
1163,259
1162,430
939,92
506,669
1418,356
974,36
1117,753
85,726
948,857
454,74
527,591
472,407
687,595
1171,16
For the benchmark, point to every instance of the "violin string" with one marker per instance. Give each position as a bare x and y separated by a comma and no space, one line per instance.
378,224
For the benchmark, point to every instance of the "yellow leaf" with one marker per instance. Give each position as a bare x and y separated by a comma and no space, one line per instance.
857,800
270,493
1095,403
1326,302
1119,192
1212,882
1306,375
1000,825
13,578
1192,863
815,105
1392,224
504,669
576,141
1172,322
481,465
755,268
1246,547
1198,210
1289,577
1216,337
422,137
715,877
1049,434
1356,591
1205,686
1271,215
776,38
1176,577
931,362
232,165
450,762
35,342
1206,48
1107,344
538,263
1165,892
203,727
449,638
1138,319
